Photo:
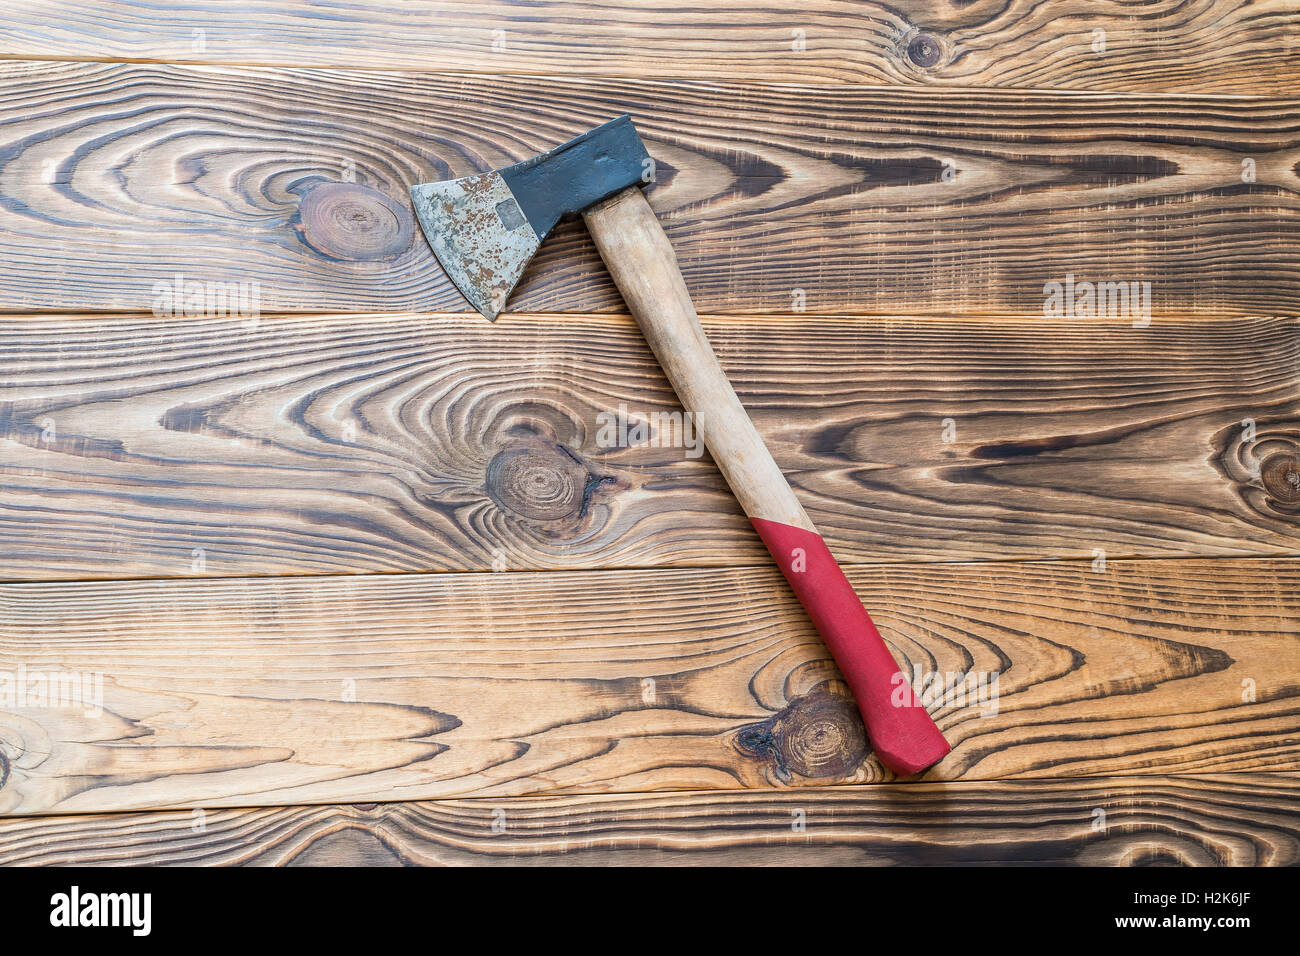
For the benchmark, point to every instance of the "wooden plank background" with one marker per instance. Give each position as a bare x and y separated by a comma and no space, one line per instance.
1238,819
242,527
865,200
240,692
1225,46
397,443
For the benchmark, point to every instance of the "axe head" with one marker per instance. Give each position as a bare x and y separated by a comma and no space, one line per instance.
484,228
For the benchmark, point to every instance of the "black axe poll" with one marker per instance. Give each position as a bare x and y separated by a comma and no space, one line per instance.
485,228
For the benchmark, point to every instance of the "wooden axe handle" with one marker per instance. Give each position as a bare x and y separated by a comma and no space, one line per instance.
641,260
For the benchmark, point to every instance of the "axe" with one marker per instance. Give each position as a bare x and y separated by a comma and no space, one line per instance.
485,228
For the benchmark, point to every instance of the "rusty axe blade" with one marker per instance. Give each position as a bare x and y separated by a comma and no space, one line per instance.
485,228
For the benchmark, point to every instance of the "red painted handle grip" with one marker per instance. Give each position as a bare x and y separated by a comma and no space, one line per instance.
901,731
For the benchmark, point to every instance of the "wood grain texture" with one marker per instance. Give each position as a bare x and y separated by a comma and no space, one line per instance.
1230,819
314,690
1160,45
134,447
117,178
1146,710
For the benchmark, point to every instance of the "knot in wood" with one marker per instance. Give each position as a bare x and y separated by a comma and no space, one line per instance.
1280,474
924,50
354,222
817,735
1262,460
538,480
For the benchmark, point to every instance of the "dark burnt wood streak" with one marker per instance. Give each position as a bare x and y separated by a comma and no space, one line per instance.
141,447
1230,819
845,200
246,692
1225,46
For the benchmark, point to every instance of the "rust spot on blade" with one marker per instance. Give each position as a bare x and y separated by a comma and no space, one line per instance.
482,254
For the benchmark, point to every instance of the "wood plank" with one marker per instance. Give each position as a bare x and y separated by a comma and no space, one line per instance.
246,692
116,178
1228,820
134,447
1231,46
